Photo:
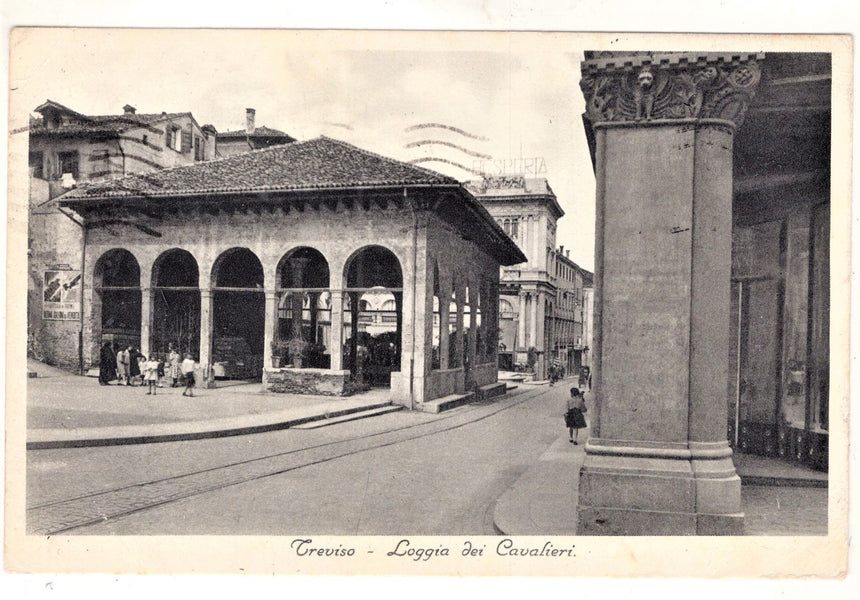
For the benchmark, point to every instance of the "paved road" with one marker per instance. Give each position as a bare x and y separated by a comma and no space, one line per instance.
402,473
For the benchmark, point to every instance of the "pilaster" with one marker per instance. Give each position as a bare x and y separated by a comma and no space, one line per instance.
658,462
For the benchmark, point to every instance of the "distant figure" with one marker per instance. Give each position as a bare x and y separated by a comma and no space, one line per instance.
574,418
187,368
150,374
122,366
159,358
173,360
107,364
134,364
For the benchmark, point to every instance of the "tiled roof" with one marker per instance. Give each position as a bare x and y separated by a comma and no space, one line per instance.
321,163
261,131
107,123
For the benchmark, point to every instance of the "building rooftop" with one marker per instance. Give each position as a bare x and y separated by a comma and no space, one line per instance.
259,131
77,123
317,164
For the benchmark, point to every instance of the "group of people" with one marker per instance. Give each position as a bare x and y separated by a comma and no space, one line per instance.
129,367
556,372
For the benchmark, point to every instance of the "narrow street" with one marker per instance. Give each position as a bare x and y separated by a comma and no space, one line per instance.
404,472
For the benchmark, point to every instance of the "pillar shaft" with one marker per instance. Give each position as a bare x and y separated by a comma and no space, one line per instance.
145,320
658,462
336,341
270,326
205,329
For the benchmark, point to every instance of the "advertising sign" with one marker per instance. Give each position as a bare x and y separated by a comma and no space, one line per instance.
61,299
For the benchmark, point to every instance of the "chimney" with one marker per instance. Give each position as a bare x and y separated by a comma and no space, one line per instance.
128,109
249,120
567,254
561,249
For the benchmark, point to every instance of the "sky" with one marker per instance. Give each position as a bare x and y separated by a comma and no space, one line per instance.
502,96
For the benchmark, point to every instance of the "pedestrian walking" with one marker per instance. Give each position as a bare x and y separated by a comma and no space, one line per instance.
173,360
122,366
187,368
107,364
150,374
574,419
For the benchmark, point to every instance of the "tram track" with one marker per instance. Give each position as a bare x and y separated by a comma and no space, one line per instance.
66,515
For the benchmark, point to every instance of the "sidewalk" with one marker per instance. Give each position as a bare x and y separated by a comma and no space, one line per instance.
778,497
65,410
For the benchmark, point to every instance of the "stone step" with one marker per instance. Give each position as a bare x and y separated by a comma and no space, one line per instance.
447,402
351,416
485,392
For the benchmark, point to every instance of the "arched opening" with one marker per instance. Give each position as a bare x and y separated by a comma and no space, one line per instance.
238,315
373,316
117,300
303,337
175,303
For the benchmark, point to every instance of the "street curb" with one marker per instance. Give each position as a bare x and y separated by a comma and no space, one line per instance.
53,438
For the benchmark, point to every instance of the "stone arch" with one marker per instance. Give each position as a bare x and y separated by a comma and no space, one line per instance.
238,314
116,300
304,322
373,340
175,303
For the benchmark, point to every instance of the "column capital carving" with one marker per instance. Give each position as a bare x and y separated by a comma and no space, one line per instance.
649,86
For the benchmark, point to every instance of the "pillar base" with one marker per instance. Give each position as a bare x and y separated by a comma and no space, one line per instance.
661,489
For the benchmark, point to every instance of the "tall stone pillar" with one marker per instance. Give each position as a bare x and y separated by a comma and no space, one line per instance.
521,324
270,319
444,329
336,340
205,329
658,462
145,319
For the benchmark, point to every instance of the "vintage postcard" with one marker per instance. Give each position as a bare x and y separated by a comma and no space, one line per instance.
428,303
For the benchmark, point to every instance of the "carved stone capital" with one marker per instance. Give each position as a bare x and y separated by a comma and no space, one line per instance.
647,86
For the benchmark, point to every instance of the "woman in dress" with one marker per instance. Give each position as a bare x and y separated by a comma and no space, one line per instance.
107,364
173,360
573,418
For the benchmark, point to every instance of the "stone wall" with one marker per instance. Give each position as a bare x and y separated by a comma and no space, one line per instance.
322,382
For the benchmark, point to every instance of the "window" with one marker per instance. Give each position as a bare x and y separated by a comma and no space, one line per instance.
514,228
36,163
173,137
198,148
68,162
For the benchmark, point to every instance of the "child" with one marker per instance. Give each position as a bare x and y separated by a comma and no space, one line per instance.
187,368
573,418
150,374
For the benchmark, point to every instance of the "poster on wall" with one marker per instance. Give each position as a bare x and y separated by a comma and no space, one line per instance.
61,300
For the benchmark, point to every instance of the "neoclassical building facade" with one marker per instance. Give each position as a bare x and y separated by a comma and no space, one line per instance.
271,264
542,299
